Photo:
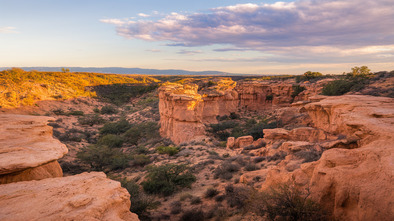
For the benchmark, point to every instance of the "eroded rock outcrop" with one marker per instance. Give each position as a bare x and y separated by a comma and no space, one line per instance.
27,149
353,184
186,109
87,196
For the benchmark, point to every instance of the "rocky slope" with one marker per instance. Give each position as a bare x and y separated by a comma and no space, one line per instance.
87,196
27,149
354,178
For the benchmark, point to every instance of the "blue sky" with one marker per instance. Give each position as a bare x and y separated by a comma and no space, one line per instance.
257,37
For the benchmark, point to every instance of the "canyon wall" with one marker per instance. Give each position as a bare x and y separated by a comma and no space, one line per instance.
353,178
185,110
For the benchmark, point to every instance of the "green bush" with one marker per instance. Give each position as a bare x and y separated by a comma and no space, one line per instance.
91,119
76,113
166,179
108,109
285,201
226,170
140,202
337,87
141,132
141,159
167,150
211,192
115,128
297,89
103,158
111,140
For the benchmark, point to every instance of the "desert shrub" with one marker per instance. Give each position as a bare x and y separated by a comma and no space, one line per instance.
76,113
257,130
72,168
115,128
167,150
285,201
195,200
237,196
108,109
223,126
103,158
308,155
211,192
54,125
337,87
166,179
68,136
59,112
251,167
297,89
309,76
91,119
269,97
111,140
140,159
234,115
193,215
225,170
141,133
176,207
277,156
140,202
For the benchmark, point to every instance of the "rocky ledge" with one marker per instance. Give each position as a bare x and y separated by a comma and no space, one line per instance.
27,149
87,196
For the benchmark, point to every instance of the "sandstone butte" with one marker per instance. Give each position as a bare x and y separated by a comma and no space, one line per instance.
355,182
32,186
87,196
27,149
184,110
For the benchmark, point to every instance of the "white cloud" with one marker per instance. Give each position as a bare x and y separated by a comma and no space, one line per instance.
143,15
8,30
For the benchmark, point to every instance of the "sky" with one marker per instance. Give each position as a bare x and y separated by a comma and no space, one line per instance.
237,36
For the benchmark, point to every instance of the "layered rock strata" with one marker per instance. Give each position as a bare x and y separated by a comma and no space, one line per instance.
185,110
353,182
87,196
27,149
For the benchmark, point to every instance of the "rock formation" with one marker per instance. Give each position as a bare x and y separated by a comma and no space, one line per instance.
27,149
87,196
354,182
185,110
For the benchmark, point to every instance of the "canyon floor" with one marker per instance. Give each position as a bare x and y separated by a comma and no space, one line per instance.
245,150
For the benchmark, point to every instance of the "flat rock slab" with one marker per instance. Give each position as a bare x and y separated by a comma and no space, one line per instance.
27,142
87,196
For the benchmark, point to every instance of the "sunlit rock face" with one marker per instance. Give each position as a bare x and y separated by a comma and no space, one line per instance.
354,178
87,196
185,110
27,149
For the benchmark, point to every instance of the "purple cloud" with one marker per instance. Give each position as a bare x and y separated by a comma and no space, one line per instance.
304,23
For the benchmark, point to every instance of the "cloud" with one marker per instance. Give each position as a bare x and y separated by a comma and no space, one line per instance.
189,52
347,24
154,50
8,30
143,15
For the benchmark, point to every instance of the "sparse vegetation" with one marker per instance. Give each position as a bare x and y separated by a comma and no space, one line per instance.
115,128
111,140
166,179
101,157
167,150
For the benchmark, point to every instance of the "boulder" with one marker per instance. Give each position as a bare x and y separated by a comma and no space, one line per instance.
243,141
87,196
27,149
230,143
